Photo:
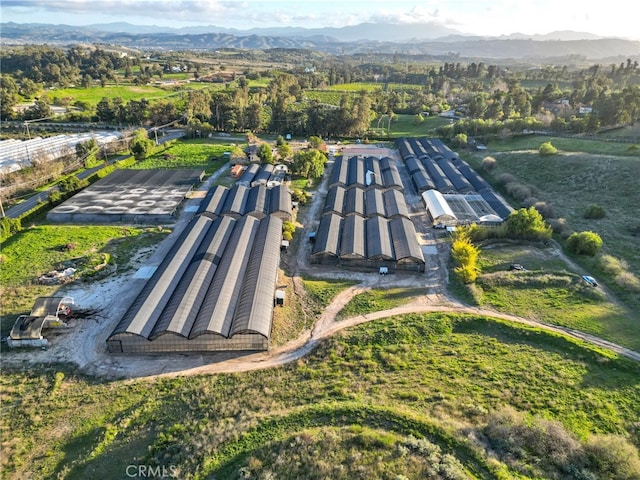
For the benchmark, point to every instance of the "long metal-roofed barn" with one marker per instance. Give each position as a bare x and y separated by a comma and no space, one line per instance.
369,172
213,292
258,201
366,226
465,197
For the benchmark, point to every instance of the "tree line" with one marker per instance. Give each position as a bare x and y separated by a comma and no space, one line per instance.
488,97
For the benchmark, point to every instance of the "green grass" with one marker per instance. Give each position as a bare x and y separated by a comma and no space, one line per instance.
377,300
370,390
93,95
585,173
356,87
549,292
322,292
197,153
38,250
565,145
406,126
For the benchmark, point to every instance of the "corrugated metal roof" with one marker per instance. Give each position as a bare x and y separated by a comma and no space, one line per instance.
214,200
180,313
374,203
328,236
395,204
379,244
340,172
254,311
334,203
356,172
235,203
354,202
405,243
216,313
143,314
352,243
257,203
280,200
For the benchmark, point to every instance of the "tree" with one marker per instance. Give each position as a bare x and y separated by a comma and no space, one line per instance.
86,151
105,110
28,88
584,243
40,109
460,140
141,145
309,164
527,223
8,96
594,212
285,151
265,153
315,142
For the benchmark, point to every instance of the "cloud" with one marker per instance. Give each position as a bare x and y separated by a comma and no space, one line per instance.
185,10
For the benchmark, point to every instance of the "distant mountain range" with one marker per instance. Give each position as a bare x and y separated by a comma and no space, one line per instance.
425,39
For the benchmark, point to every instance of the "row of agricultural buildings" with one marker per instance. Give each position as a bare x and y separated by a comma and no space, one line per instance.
365,221
215,289
453,192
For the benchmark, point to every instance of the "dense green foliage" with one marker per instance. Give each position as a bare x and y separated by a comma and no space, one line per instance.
547,148
584,243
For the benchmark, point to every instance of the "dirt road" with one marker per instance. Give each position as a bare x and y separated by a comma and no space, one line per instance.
85,344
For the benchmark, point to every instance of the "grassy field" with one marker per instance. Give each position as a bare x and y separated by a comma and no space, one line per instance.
195,153
377,300
582,174
565,145
406,126
424,396
93,95
549,292
40,249
356,87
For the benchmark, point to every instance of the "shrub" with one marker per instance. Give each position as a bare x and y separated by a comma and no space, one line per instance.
466,273
546,149
506,179
518,191
594,212
546,210
489,164
611,456
560,226
584,243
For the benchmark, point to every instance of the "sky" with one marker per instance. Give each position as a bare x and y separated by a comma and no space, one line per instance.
616,18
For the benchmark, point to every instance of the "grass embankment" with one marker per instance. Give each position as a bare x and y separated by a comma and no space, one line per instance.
41,249
399,396
585,172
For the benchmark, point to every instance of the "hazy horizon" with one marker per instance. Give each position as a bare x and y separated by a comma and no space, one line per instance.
495,18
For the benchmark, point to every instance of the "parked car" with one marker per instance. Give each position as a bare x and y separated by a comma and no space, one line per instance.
590,280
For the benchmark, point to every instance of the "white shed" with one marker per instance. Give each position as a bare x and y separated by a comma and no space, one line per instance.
438,207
